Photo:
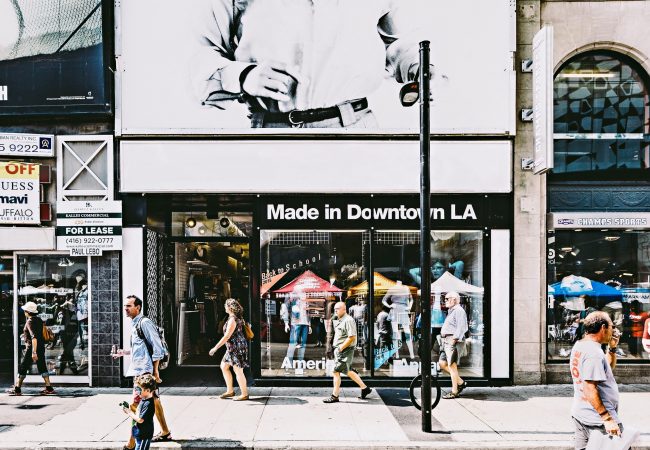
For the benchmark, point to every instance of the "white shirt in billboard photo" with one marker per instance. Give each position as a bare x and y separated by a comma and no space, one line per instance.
305,63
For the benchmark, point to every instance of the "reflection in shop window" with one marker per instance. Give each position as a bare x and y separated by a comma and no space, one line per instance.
600,270
456,265
58,284
304,273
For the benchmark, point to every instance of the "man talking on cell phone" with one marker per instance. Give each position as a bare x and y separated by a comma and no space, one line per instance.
595,399
144,362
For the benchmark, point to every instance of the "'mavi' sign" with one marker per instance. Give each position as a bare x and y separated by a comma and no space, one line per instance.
383,211
19,193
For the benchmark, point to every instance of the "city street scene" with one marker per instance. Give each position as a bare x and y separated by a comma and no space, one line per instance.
349,224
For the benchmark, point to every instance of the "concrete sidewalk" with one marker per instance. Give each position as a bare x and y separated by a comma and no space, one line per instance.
296,418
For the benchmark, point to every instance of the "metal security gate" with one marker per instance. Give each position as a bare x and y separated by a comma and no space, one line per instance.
159,284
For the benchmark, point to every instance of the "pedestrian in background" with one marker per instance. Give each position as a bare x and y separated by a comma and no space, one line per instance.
34,351
236,351
345,340
595,392
452,335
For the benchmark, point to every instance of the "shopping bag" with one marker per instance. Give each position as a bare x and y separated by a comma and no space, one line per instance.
599,441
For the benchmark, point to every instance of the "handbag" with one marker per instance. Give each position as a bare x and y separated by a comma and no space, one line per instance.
48,334
248,332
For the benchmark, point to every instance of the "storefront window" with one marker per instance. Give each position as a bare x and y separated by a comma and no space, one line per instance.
601,116
59,285
599,270
457,265
304,273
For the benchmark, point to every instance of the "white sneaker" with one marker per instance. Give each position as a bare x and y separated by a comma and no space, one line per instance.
620,352
299,345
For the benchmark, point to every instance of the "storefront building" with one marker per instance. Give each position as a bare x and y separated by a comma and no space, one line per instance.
233,190
358,248
56,146
595,250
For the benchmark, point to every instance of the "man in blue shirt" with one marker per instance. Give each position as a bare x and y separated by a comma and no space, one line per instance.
143,361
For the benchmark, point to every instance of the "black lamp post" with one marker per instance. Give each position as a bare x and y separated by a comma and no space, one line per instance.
409,94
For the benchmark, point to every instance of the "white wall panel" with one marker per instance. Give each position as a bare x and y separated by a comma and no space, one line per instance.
312,166
132,279
500,304
27,238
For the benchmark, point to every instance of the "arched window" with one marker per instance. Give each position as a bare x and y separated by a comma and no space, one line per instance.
601,110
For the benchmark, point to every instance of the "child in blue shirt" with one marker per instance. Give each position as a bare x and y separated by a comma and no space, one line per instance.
143,417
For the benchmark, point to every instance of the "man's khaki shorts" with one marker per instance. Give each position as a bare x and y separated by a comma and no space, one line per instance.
343,360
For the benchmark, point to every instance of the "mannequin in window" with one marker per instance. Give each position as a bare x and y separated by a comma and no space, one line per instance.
296,323
66,316
439,267
359,313
615,311
384,349
81,300
437,320
398,298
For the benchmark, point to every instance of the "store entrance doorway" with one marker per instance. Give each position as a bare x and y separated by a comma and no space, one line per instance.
207,273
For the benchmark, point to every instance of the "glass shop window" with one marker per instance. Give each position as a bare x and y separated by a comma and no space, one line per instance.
599,270
303,275
601,116
456,265
59,286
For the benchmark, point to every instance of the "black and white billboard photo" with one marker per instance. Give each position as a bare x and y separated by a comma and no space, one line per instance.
52,57
207,66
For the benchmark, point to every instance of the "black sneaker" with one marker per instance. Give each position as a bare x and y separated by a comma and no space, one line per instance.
49,390
365,392
332,399
14,391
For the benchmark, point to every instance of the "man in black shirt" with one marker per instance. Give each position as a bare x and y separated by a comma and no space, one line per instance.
34,351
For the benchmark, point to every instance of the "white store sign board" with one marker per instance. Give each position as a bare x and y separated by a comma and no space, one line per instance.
89,228
579,220
543,100
26,145
19,193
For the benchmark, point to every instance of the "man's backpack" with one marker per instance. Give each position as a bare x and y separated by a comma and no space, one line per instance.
164,362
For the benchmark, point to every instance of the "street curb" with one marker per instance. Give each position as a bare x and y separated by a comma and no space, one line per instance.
309,445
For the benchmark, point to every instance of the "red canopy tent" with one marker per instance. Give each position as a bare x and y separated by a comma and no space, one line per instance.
311,284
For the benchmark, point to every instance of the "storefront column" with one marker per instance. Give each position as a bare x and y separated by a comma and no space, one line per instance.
106,316
529,207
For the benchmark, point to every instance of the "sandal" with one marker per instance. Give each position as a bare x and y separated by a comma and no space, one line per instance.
332,399
128,448
451,395
14,391
461,387
227,395
162,437
240,398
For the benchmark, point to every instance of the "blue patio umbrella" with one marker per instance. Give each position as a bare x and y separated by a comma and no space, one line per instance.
600,292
